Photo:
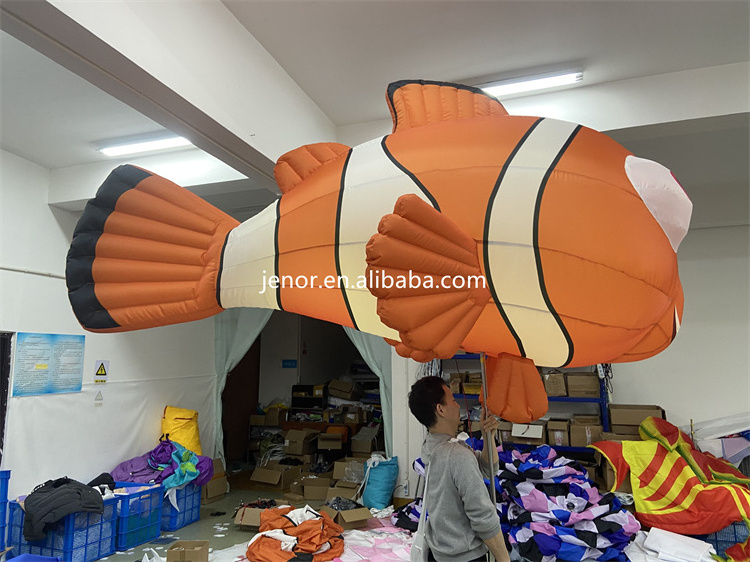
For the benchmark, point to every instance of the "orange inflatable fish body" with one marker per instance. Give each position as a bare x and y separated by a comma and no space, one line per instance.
535,241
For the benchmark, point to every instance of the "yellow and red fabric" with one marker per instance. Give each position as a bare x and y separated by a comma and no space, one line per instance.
675,486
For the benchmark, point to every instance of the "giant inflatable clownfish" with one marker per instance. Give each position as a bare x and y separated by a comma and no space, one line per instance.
536,241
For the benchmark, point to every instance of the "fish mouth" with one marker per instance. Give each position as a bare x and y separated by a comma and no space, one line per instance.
664,197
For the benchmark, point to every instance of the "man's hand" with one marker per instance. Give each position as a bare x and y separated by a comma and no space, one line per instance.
489,430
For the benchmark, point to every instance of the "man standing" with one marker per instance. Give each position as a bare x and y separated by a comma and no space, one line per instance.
462,524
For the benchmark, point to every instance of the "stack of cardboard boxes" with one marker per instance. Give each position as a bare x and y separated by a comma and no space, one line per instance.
273,417
299,444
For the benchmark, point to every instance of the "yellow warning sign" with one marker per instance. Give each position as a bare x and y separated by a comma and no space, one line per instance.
101,370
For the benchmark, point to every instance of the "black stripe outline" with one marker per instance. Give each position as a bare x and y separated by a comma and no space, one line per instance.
276,252
537,254
486,252
79,275
338,237
413,178
221,269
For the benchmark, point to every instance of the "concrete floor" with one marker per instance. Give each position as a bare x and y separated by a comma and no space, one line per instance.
220,538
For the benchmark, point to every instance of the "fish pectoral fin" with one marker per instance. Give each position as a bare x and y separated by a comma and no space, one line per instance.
425,273
417,103
405,351
294,166
515,390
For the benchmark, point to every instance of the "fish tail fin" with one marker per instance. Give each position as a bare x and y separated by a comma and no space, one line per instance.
442,290
145,253
515,390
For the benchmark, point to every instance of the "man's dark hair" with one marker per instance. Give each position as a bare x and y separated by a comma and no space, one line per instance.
424,397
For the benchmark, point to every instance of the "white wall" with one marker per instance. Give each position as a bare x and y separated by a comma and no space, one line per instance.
66,434
705,373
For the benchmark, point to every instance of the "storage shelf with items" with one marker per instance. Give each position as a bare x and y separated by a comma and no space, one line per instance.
309,398
571,422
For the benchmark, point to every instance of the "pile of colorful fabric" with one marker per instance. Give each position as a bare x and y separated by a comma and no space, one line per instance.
549,510
678,488
169,463
287,533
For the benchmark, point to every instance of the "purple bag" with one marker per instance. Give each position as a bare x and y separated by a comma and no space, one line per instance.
136,470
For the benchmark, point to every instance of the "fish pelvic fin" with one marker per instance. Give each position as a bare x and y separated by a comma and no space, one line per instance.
145,253
296,165
438,289
416,103
515,390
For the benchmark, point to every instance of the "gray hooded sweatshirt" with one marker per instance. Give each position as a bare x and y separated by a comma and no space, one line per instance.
460,510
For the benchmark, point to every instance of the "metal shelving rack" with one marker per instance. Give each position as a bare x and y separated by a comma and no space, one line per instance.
602,401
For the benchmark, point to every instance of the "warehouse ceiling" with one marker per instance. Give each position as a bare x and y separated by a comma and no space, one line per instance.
343,54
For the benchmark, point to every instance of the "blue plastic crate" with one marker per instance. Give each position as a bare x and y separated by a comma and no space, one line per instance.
4,480
78,537
139,514
728,536
189,504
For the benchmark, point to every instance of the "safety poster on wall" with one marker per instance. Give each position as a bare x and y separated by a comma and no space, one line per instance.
47,364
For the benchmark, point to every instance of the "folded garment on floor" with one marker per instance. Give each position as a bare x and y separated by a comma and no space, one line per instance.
658,545
677,548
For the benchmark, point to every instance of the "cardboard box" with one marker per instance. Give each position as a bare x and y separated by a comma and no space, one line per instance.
248,518
219,470
294,498
583,385
330,441
583,435
300,441
188,551
366,439
257,419
339,467
316,488
505,428
557,433
529,433
455,385
350,519
276,476
613,436
343,489
472,387
342,389
633,414
586,419
214,489
632,430
274,416
304,459
609,479
554,384
318,390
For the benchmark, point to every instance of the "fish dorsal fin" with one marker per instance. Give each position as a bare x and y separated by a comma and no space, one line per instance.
416,103
297,164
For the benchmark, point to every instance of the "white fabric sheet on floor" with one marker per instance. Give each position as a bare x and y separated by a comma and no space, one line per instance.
663,546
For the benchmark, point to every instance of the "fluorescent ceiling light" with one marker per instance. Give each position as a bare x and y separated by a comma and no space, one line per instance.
522,85
145,146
